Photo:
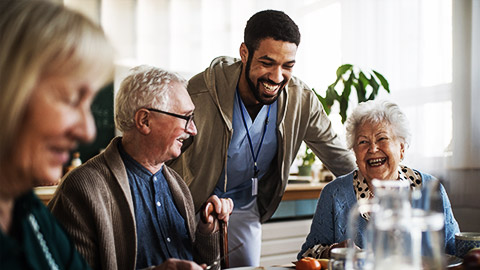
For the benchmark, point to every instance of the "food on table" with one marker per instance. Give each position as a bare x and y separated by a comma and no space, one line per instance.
471,260
308,263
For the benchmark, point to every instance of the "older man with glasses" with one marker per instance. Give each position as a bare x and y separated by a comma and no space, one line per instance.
124,208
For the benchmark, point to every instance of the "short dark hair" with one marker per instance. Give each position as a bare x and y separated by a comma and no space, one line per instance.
270,24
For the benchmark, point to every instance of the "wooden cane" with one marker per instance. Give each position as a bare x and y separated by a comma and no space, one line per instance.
224,239
223,235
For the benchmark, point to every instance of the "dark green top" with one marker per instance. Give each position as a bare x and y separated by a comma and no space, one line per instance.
21,249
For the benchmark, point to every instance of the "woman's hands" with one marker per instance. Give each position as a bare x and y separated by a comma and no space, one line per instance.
213,210
345,243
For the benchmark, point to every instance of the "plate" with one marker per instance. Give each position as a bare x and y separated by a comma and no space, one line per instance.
452,261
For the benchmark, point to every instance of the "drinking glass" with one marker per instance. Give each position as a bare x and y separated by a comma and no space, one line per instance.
404,231
429,221
393,236
360,232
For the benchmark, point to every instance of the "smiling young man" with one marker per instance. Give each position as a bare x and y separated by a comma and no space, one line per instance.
252,116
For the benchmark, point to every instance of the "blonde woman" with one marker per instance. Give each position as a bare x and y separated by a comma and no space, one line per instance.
52,63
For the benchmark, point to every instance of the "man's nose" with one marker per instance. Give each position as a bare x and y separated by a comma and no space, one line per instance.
191,128
276,74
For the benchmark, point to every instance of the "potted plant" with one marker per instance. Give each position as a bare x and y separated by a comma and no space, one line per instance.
366,84
308,158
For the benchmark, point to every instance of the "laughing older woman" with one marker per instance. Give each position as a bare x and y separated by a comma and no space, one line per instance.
378,133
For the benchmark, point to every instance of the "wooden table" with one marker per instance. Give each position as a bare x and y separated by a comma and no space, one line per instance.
293,191
45,193
303,191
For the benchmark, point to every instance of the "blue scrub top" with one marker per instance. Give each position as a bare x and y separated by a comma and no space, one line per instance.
240,161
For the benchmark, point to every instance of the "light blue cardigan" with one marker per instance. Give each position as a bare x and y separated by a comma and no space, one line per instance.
329,224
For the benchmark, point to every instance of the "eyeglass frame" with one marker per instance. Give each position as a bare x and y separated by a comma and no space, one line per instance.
188,118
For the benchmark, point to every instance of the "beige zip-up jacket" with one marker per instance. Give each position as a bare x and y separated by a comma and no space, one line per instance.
300,117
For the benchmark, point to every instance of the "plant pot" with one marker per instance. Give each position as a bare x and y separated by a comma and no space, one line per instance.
305,170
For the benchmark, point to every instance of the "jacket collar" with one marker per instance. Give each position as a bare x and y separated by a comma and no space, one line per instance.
223,74
115,163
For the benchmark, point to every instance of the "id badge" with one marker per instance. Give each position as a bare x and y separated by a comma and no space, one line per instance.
254,186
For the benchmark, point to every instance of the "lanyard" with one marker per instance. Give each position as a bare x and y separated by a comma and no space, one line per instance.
255,157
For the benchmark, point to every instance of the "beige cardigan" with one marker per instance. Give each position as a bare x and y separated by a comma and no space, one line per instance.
94,204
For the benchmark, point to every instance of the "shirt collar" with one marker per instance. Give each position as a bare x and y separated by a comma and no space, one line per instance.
362,192
135,167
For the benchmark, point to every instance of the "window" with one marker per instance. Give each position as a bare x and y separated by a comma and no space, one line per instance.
408,41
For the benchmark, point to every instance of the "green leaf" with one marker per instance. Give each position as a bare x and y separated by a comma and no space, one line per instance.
374,84
363,79
347,90
343,109
331,94
383,81
343,69
335,83
361,92
326,107
360,81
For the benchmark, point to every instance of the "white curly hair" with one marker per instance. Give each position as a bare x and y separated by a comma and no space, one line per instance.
378,111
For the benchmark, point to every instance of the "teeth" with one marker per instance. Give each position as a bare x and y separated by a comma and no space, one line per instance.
376,161
270,87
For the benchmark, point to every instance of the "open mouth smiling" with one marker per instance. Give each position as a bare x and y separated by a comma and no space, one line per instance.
271,88
375,162
182,139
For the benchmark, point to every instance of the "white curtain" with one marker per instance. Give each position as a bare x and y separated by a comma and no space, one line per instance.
408,41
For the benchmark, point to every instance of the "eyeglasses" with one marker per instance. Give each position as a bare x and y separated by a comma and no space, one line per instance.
189,118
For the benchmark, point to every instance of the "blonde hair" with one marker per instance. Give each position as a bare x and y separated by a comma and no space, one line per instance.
40,39
144,87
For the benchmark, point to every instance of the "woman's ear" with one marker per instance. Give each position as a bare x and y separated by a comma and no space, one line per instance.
142,121
402,150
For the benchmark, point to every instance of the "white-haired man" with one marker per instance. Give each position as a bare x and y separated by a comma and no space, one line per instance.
124,208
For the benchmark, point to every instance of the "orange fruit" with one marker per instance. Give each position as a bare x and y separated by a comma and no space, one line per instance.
308,263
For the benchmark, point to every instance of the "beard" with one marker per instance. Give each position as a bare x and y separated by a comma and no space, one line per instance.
255,89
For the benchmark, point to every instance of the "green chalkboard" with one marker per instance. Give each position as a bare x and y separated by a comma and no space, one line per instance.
102,110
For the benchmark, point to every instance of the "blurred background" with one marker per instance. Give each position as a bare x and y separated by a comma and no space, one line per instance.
428,50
